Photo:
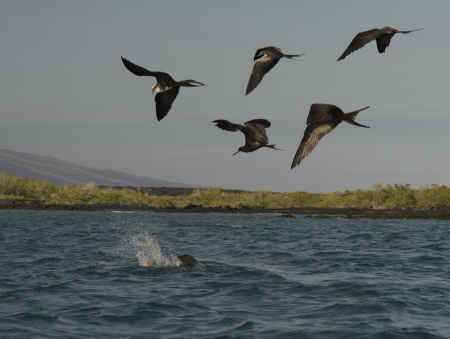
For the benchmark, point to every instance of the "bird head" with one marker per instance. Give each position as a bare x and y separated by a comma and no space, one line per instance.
153,89
241,149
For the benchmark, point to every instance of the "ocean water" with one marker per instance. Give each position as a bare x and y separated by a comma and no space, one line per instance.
110,275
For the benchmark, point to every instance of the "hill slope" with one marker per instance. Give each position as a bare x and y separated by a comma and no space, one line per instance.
60,172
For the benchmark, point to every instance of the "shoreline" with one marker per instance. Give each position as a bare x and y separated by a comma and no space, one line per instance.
36,205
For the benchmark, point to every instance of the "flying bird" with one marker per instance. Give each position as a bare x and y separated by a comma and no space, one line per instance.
322,119
166,87
254,131
262,67
383,37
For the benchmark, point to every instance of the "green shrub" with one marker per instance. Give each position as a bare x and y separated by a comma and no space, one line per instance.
379,197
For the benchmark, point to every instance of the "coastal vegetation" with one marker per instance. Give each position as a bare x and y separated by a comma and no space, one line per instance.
398,196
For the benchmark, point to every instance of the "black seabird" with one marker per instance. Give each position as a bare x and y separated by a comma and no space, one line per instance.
383,37
166,87
272,56
254,131
322,119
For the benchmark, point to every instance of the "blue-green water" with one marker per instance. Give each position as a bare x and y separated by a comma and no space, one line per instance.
81,275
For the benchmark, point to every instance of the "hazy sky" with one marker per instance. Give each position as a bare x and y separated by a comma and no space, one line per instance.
64,91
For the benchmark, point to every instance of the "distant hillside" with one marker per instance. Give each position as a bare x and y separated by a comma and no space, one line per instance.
60,172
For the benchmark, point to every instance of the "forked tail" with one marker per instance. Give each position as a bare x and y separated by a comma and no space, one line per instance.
189,83
350,117
406,32
355,113
289,56
273,147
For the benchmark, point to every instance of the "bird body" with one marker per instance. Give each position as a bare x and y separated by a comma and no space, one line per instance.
271,57
254,131
382,36
160,89
166,87
322,119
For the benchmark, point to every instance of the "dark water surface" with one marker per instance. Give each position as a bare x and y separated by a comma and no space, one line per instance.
80,274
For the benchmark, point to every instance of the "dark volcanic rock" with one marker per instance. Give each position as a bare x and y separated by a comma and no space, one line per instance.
347,213
284,216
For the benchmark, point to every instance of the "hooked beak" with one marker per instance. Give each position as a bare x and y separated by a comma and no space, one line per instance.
152,91
236,153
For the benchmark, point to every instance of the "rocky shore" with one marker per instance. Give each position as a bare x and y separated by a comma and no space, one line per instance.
312,212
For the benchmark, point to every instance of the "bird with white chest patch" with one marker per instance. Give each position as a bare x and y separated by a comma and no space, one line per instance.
166,87
271,57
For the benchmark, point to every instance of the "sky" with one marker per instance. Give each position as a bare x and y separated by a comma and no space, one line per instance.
64,91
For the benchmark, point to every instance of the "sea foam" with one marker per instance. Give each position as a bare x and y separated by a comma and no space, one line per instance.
149,253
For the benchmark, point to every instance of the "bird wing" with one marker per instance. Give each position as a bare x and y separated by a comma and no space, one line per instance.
258,123
257,126
228,126
311,138
259,70
383,42
164,102
137,70
318,112
162,77
360,40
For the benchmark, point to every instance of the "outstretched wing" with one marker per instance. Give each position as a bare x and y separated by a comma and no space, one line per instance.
164,102
259,70
360,40
228,126
162,77
137,70
383,42
311,138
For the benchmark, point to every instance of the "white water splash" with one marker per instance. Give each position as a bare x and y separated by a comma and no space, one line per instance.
149,253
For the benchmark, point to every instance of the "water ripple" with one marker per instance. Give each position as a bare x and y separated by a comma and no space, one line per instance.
115,275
